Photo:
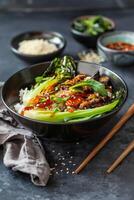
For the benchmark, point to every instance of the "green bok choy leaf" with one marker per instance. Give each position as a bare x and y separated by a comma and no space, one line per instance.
95,85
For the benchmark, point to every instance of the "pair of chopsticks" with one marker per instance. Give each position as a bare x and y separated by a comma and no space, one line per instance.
106,139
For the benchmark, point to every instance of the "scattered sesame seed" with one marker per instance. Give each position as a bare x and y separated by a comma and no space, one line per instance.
63,164
68,152
63,158
55,164
53,151
73,172
59,154
74,164
51,169
57,172
70,161
61,170
71,156
67,168
77,143
67,172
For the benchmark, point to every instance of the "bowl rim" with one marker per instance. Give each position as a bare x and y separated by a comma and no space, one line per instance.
64,123
114,33
59,35
74,31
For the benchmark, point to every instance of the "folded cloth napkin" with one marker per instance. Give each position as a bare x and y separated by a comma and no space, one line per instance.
22,150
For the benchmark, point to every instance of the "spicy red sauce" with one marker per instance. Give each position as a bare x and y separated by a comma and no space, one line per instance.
48,102
26,108
123,46
74,101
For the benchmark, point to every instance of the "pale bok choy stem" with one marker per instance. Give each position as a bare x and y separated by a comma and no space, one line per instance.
50,116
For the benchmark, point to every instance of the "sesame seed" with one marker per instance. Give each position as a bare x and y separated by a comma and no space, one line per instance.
71,156
67,169
53,151
67,172
63,164
74,164
57,172
70,161
55,164
63,158
59,154
77,143
73,172
51,169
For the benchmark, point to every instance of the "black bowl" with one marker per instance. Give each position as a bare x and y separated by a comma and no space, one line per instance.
88,40
25,77
53,37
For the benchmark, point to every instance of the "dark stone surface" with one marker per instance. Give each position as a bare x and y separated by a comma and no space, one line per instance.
93,183
60,4
69,4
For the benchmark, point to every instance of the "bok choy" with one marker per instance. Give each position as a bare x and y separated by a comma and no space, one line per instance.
95,85
59,70
50,116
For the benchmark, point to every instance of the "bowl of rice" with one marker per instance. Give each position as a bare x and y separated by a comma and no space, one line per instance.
38,46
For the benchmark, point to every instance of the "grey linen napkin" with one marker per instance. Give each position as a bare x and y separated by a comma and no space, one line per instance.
22,150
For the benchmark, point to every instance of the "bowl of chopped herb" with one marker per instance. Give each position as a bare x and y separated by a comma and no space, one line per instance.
87,29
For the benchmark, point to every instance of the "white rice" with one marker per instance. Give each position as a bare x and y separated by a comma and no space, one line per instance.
36,47
19,107
22,92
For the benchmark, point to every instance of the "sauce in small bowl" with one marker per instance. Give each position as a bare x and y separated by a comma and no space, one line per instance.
122,46
117,47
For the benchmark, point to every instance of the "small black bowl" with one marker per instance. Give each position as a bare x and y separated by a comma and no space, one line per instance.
52,37
88,40
68,130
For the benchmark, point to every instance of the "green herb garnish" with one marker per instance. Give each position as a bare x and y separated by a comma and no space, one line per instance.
92,25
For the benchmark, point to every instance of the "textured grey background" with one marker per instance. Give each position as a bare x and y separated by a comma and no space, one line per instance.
93,183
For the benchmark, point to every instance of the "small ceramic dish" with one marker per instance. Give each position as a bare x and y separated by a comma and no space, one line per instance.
117,57
88,40
51,37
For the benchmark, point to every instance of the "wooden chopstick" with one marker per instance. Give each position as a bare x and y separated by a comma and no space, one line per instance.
123,155
105,140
